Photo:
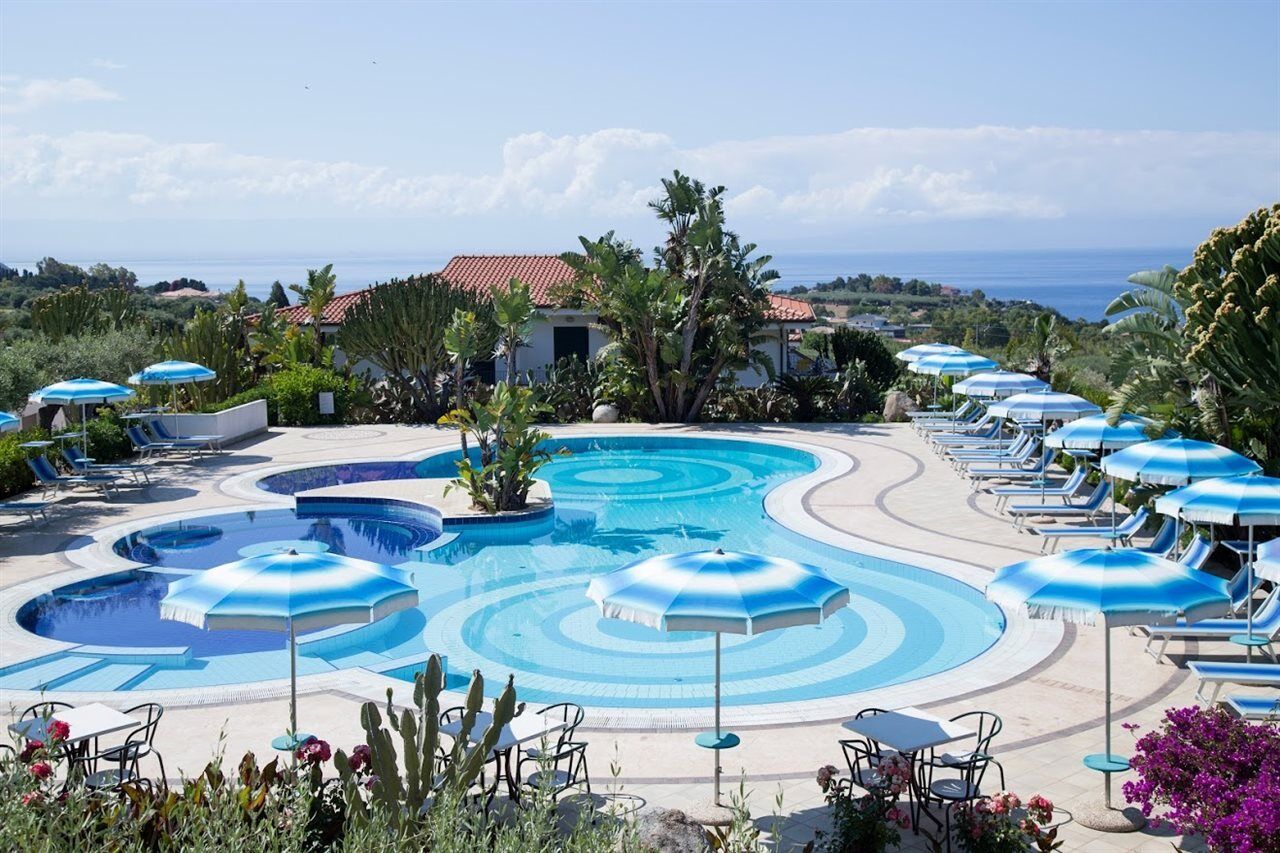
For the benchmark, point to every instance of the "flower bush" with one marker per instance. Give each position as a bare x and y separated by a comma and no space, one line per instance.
1003,823
1213,774
870,822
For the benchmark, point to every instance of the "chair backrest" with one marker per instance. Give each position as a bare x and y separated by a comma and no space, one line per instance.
138,437
1097,497
148,714
452,715
44,710
1197,553
74,458
1164,540
1133,523
568,713
1266,618
42,468
158,429
987,725
862,756
1077,477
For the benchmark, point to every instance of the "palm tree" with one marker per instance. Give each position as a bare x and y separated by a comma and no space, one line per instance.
514,313
462,340
1046,345
316,295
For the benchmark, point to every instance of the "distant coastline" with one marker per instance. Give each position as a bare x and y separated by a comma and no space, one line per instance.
1077,282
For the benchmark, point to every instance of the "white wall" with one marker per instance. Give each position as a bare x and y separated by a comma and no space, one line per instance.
541,350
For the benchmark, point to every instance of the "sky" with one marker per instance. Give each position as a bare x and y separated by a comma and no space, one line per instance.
153,130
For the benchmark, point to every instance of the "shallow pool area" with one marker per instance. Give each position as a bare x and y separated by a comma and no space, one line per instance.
510,597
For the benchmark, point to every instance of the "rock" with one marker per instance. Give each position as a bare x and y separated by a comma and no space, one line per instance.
896,406
605,413
669,831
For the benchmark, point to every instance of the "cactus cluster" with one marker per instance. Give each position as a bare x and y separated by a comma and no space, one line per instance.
407,768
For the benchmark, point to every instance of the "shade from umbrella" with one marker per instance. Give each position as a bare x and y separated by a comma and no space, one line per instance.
1116,587
9,423
1176,462
82,392
1248,501
718,591
173,373
998,384
292,592
1097,433
920,351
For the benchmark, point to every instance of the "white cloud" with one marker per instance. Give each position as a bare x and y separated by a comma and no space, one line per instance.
108,64
21,94
865,175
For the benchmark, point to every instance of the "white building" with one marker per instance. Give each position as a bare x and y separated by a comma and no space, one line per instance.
559,332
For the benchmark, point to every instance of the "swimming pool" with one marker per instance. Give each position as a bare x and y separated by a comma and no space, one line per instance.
511,597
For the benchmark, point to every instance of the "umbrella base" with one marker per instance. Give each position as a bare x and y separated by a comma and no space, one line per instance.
708,813
1042,520
1095,815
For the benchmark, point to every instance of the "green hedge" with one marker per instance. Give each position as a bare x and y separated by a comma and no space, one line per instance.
295,392
15,475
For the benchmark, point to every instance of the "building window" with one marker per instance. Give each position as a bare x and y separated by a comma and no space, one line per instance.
571,342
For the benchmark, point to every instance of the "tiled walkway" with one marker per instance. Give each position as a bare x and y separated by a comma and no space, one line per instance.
895,493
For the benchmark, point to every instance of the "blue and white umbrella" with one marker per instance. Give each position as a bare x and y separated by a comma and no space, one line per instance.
1098,434
82,392
998,384
1176,462
9,423
952,364
1116,587
718,591
1238,501
1042,406
173,373
288,591
920,351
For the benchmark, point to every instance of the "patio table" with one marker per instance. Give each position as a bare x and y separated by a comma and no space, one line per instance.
87,723
521,730
910,731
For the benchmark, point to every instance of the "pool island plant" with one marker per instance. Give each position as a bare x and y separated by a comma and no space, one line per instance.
510,443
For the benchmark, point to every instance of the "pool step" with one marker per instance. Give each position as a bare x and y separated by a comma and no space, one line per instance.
42,673
108,676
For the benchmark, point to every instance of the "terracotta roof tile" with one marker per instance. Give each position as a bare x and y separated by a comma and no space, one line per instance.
540,272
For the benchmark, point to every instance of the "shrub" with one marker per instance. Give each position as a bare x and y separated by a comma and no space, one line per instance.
849,345
15,475
258,392
1213,774
296,392
107,439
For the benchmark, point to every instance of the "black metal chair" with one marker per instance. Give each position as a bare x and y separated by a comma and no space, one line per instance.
863,757
571,715
988,725
960,785
44,710
136,748
121,767
558,771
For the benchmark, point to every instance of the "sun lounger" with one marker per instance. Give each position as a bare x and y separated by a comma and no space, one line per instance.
1009,450
160,431
1123,532
1219,673
146,446
1162,543
959,428
52,482
1196,554
963,413
28,508
1266,623
1255,707
1066,490
1241,590
82,464
1087,508
1011,472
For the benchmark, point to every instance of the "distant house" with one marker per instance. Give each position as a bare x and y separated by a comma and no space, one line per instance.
877,323
188,292
948,290
559,332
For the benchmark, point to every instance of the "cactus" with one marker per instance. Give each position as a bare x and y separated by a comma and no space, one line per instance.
404,793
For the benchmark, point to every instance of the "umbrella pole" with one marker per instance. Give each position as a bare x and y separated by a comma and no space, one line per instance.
293,683
1107,668
1113,510
84,431
715,752
174,391
1248,649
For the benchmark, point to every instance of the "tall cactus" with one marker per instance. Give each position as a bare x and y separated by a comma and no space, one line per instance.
404,793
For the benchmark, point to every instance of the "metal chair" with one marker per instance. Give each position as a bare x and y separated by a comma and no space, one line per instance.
135,748
953,791
557,771
863,757
122,769
988,725
571,715
44,710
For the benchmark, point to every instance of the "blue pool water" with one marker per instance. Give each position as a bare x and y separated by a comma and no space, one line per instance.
510,598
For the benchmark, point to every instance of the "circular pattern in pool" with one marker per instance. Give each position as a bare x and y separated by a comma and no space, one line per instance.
511,597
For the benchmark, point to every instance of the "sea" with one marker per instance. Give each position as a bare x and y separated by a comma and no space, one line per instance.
1077,282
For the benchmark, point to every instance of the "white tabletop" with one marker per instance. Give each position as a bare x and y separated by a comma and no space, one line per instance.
86,722
908,729
522,729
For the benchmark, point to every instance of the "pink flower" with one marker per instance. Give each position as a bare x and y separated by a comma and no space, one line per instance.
370,782
29,751
359,758
313,751
32,798
58,731
41,770
825,775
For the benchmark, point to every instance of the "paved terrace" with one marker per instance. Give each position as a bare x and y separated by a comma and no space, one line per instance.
895,492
